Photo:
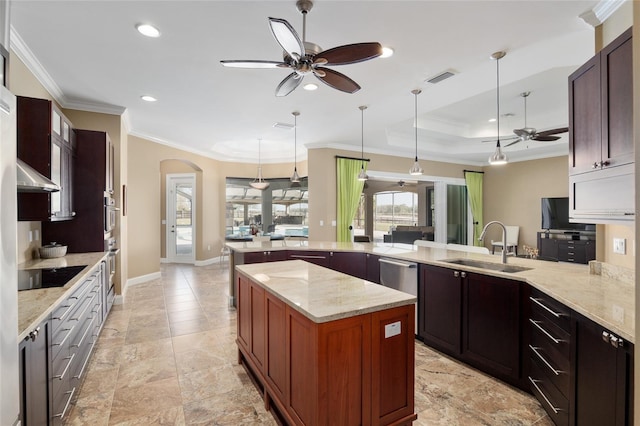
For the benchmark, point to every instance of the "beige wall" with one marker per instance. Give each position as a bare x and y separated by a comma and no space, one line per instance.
322,183
512,195
146,206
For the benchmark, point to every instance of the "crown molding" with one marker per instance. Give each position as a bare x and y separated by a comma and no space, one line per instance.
33,64
601,12
93,107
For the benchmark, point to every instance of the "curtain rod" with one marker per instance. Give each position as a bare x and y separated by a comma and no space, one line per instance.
352,158
472,171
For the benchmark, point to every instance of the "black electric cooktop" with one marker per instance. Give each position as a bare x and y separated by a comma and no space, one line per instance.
30,279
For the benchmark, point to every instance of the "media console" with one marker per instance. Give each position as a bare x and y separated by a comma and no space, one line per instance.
567,246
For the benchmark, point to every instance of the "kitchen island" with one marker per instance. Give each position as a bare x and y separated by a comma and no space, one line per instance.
325,347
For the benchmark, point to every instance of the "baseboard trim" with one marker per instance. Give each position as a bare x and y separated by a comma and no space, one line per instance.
143,279
206,262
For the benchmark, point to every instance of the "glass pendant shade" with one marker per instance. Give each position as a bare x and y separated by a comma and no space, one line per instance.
295,177
498,157
416,170
362,176
259,182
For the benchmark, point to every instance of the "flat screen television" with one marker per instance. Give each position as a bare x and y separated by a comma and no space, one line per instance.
555,215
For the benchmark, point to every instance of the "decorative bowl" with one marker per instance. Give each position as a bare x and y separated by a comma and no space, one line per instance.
52,250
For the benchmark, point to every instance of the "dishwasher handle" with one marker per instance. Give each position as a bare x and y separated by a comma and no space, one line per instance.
397,263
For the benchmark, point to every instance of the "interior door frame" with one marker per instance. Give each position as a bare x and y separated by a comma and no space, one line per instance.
170,249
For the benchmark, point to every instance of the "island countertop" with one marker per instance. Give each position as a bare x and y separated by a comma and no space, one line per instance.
35,305
606,299
320,294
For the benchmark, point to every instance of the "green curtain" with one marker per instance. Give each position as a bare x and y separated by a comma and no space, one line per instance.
474,190
348,194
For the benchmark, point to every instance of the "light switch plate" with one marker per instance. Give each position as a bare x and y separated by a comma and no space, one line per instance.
619,245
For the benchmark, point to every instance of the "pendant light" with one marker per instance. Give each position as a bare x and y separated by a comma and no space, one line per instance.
259,183
294,177
362,176
416,170
498,157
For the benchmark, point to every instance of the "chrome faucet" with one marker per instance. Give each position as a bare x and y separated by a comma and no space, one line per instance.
504,238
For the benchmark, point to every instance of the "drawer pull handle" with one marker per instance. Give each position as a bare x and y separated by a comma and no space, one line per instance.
301,256
69,330
61,376
535,350
546,308
546,333
86,361
64,314
556,410
77,345
66,406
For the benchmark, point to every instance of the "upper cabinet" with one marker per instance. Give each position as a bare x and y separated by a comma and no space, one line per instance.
601,152
46,141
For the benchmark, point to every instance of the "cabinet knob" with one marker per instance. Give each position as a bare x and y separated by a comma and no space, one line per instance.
34,334
606,336
456,274
595,165
604,163
463,274
616,342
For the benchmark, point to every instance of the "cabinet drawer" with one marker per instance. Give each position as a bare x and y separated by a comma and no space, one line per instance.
62,406
555,366
551,399
543,306
555,340
61,372
61,338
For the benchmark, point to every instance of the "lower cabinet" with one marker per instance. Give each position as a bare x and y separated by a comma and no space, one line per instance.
34,376
55,355
345,371
473,317
373,268
604,376
321,258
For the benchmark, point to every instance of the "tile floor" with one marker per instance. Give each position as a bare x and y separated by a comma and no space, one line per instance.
168,357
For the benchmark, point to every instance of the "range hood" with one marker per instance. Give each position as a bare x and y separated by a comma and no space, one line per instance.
30,180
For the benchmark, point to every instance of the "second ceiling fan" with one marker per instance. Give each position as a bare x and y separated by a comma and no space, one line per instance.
303,57
529,133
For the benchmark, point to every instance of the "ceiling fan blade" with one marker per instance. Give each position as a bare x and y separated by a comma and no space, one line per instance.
525,132
338,81
254,64
543,138
502,139
553,131
351,53
512,143
287,37
288,85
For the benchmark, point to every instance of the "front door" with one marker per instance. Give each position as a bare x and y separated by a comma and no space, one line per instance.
181,218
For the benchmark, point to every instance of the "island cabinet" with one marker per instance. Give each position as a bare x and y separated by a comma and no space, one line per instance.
604,376
473,317
373,268
350,263
601,151
353,370
264,256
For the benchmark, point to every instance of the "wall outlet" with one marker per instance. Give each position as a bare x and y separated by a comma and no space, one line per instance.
30,236
209,247
619,245
333,223
322,223
36,235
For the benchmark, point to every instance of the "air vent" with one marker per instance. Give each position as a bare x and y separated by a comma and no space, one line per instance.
285,126
441,76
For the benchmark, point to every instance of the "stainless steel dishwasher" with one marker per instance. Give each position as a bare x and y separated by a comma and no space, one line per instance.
400,275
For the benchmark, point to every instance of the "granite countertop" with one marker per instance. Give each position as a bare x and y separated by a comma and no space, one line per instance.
35,305
607,299
320,294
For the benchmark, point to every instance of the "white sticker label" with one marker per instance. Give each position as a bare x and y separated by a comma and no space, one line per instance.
392,329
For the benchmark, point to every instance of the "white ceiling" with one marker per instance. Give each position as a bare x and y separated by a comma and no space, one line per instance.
89,55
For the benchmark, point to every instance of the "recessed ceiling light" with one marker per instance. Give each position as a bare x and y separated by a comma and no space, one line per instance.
148,98
148,30
310,86
386,52
492,120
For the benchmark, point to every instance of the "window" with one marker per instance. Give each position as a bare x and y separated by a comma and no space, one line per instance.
394,208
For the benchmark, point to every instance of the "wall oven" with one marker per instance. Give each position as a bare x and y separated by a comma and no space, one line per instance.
110,212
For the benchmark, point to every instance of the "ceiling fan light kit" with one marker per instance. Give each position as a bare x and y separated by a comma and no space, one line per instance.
416,170
362,176
303,57
498,156
259,182
295,178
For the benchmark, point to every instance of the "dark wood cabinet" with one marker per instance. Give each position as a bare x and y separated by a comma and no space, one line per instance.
321,258
46,141
473,317
559,247
491,325
440,308
350,263
604,376
601,150
265,256
34,376
93,181
373,268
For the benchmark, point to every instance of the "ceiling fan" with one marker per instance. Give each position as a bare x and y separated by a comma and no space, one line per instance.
529,133
303,57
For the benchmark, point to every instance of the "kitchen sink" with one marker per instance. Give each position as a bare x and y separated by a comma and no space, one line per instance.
501,267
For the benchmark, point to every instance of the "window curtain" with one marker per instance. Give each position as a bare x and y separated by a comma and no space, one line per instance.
348,193
474,182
